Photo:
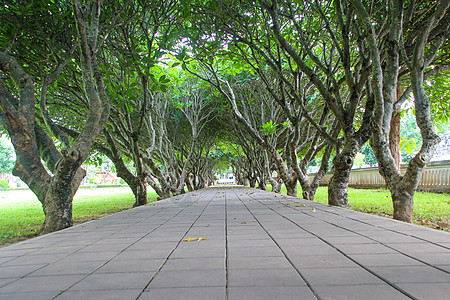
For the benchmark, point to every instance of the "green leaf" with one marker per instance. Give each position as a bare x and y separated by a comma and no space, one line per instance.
129,108
269,128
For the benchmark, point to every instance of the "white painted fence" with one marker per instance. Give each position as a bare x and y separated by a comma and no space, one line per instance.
436,177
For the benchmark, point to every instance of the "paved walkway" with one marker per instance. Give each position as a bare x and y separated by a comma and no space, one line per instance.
256,245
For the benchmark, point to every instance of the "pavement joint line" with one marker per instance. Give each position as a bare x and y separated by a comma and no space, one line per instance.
378,242
227,260
177,244
278,245
93,271
344,254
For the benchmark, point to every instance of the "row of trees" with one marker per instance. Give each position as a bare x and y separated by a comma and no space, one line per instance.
177,87
357,61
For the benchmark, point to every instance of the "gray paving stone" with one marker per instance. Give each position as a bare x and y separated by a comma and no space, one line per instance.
104,247
125,294
423,247
131,254
264,277
270,293
5,281
251,243
386,259
307,241
431,290
364,249
255,251
309,250
29,296
339,276
64,268
186,264
191,278
198,251
412,274
113,281
18,271
358,292
41,284
130,266
274,262
32,259
322,261
188,293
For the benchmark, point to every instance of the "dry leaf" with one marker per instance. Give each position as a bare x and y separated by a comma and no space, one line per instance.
189,240
313,209
197,202
244,223
443,225
426,222
201,239
303,205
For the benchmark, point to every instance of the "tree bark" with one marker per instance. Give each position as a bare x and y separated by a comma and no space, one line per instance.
140,192
394,139
338,186
291,187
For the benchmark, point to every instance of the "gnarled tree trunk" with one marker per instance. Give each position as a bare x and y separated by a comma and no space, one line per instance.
338,185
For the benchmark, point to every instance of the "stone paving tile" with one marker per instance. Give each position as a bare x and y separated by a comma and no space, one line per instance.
339,276
89,256
270,293
430,290
322,261
309,250
264,277
41,284
125,294
187,293
34,259
110,281
29,296
423,247
130,266
197,263
412,274
5,281
132,254
18,271
190,278
274,262
364,249
385,259
358,292
65,268
255,251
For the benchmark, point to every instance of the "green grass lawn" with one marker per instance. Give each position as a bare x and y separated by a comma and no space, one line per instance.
21,219
429,208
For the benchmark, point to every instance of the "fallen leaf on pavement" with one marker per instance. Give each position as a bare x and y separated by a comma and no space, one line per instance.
189,240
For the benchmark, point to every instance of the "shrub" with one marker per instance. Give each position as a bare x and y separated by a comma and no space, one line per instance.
4,183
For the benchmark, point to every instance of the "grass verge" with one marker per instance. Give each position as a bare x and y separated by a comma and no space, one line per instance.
21,219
